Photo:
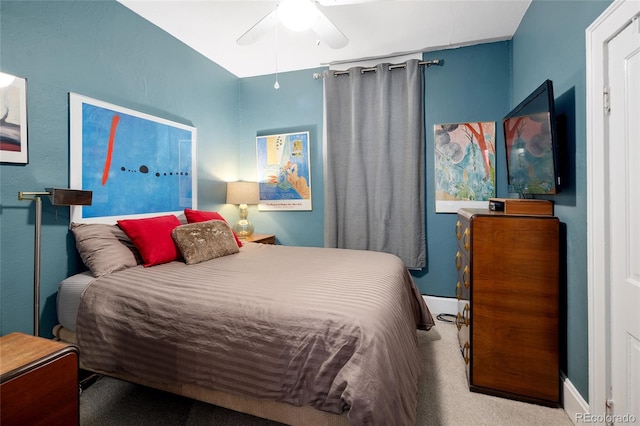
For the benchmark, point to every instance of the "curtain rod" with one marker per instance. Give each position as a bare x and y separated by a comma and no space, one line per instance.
427,64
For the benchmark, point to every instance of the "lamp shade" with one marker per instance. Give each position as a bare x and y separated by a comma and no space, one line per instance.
70,197
243,193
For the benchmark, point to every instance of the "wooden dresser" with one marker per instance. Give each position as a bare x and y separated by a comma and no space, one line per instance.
508,304
38,381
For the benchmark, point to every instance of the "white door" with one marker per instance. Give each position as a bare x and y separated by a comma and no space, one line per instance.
624,221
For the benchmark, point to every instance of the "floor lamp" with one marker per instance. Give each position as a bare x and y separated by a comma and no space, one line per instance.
58,197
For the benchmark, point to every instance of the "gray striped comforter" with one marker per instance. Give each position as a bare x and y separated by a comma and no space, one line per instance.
330,328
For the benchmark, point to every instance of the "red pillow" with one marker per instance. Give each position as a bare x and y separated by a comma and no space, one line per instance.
152,238
194,216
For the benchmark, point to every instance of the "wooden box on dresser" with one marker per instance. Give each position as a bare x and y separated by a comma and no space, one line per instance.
508,304
38,381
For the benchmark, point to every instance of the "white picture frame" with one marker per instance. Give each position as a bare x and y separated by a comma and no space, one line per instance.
14,144
284,171
136,164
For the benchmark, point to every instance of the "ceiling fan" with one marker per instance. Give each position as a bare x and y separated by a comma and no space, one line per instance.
299,15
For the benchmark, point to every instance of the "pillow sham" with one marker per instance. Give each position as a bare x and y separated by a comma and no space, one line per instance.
204,241
152,238
195,216
104,248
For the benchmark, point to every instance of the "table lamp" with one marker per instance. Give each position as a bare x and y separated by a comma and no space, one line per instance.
243,193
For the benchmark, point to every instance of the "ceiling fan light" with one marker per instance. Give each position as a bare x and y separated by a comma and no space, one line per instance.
297,15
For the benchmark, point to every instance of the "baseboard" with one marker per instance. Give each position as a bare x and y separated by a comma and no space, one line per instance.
441,305
574,404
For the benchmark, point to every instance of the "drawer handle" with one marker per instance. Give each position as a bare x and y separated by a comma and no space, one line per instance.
465,352
458,260
466,239
458,226
465,276
458,291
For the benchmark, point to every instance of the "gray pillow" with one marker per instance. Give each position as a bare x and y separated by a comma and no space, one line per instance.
104,248
204,240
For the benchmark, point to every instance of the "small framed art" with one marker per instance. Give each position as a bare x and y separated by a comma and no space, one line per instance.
13,119
284,171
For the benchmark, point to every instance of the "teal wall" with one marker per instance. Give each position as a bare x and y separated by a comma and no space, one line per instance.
295,106
101,50
550,43
471,86
450,96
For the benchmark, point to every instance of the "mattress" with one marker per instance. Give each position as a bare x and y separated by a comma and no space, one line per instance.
69,293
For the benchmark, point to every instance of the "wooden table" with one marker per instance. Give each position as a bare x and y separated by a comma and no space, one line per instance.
38,381
261,238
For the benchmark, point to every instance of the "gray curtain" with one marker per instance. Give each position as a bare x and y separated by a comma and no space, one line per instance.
374,161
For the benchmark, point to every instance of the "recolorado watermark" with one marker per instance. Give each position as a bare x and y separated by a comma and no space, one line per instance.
605,418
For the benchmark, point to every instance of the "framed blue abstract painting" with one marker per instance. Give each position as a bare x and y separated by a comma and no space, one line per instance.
137,165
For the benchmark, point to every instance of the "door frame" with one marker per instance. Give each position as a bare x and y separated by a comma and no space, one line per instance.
615,18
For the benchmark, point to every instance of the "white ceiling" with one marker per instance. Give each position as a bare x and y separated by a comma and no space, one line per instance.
375,29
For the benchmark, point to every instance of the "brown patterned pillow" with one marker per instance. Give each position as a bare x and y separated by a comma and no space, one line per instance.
104,248
204,240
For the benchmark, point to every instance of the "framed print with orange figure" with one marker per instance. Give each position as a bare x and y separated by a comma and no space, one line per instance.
284,171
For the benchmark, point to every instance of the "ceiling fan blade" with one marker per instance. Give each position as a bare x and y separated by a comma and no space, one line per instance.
328,33
259,29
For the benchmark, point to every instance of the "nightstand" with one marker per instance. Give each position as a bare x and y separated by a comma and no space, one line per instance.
38,381
261,238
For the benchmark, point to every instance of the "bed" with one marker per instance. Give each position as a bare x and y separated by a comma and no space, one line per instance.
299,335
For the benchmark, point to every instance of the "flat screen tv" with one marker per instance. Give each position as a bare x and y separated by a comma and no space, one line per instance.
531,141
